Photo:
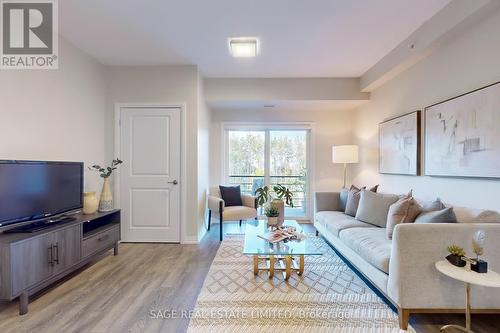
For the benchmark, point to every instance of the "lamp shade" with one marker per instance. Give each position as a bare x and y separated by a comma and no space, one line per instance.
345,154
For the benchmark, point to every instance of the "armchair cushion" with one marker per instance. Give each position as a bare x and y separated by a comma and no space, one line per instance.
235,213
231,195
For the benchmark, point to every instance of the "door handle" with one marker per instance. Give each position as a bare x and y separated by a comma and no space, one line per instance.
173,182
51,260
56,247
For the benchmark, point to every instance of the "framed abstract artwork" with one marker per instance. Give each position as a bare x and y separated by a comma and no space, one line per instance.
462,135
399,145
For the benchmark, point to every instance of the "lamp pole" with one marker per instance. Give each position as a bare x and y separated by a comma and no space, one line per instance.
345,172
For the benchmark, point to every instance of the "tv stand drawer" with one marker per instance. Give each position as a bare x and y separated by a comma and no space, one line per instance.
100,241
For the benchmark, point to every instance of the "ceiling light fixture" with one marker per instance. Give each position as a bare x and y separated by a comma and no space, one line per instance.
243,47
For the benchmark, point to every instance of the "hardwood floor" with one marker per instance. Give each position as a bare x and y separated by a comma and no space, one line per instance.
117,294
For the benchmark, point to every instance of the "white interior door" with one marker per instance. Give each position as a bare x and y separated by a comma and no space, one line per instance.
150,147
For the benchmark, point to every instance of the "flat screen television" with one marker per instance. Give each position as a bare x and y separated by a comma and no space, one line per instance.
33,190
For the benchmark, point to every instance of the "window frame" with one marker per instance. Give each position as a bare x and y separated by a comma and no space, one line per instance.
267,127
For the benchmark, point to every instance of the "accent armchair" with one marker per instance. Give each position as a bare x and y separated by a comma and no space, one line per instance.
231,213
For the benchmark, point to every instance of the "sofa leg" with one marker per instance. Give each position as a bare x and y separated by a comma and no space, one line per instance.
317,233
220,227
404,317
240,223
209,218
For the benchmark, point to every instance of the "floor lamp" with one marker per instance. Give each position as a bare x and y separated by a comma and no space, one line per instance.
345,154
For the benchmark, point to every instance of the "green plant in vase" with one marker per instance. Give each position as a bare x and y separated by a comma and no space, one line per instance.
284,193
106,199
281,196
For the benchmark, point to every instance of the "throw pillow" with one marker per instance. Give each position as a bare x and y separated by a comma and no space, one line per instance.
405,210
433,206
373,207
343,199
446,215
352,200
397,214
231,195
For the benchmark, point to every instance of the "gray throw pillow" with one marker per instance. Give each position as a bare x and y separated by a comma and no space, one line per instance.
352,201
446,215
343,198
433,206
373,207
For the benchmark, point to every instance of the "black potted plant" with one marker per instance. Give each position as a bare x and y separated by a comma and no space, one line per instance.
456,255
479,265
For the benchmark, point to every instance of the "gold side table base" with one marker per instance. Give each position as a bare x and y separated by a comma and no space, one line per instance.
287,265
458,327
467,314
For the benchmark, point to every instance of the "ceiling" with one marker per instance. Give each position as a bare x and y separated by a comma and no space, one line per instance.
287,105
299,38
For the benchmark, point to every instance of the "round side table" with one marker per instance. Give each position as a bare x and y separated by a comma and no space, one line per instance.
464,274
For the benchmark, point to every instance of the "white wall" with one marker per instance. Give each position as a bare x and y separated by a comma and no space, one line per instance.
55,114
204,124
470,61
330,128
161,84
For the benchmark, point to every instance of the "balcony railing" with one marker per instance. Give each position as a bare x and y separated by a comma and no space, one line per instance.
296,184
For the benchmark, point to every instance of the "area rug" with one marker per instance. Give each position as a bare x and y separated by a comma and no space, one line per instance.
328,297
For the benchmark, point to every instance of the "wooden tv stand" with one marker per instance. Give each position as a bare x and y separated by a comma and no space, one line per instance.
30,262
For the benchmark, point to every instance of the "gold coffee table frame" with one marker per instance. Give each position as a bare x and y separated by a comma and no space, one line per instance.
287,265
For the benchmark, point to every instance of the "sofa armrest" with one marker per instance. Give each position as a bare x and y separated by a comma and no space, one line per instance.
326,201
415,283
215,204
249,201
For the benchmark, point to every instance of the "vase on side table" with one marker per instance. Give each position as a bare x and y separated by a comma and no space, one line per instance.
106,200
90,203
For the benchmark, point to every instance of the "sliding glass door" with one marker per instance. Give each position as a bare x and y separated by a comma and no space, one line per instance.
270,156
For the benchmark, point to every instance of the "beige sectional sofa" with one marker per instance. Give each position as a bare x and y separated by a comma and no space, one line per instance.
403,268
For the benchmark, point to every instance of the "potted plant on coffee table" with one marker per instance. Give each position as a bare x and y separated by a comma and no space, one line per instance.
272,214
283,196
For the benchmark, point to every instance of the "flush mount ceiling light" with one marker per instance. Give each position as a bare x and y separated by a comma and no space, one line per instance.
244,47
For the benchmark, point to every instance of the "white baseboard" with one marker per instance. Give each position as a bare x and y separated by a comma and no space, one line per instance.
190,240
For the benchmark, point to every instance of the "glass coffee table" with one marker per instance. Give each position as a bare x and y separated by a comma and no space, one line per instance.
289,255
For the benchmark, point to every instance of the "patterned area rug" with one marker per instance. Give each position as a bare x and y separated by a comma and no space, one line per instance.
328,297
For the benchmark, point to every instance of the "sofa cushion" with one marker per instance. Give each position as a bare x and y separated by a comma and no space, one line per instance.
337,221
373,207
371,244
235,213
438,216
